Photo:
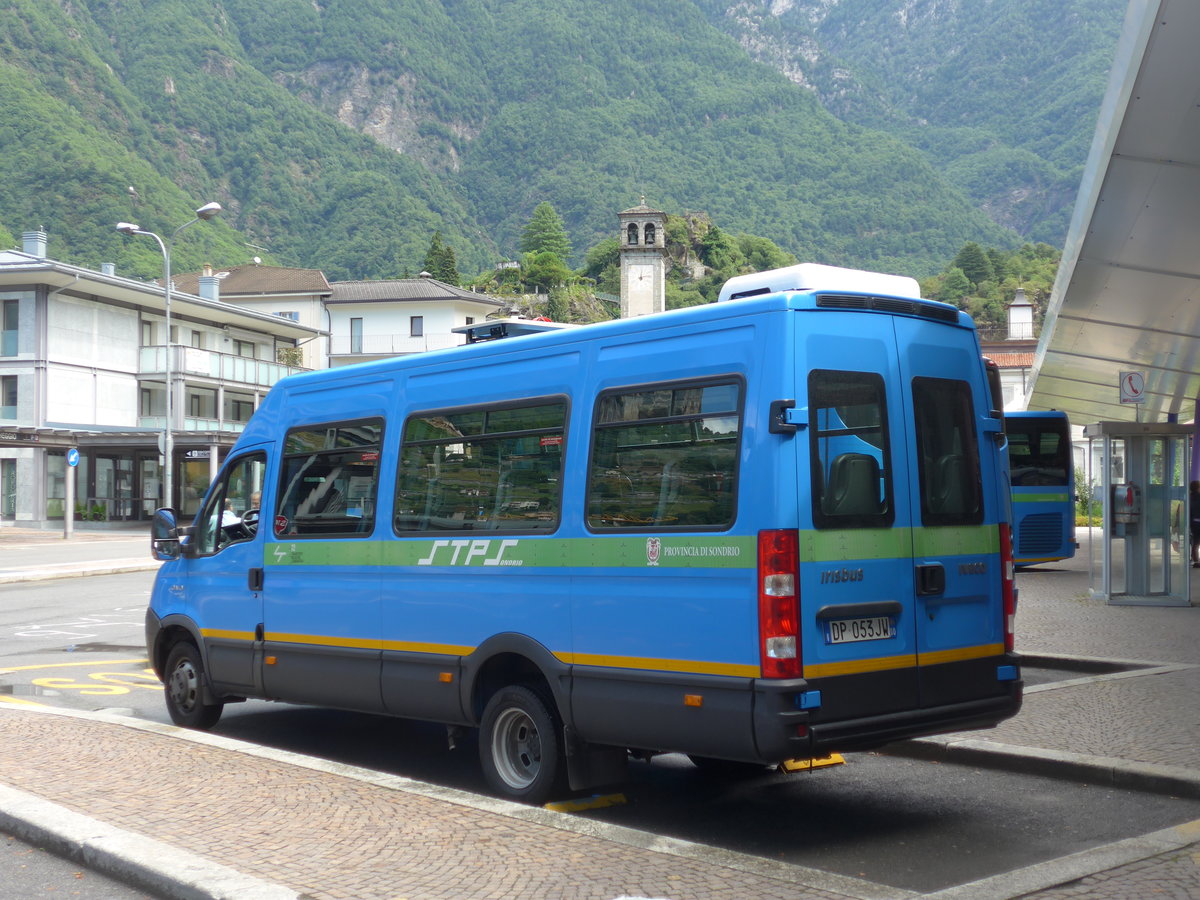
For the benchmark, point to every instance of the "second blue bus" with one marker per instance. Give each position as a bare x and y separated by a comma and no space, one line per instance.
1043,486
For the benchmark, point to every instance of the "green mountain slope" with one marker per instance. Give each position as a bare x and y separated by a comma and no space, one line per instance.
342,134
1001,96
590,105
159,96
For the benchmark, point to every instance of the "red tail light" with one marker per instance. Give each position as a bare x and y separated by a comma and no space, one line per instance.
1007,587
779,603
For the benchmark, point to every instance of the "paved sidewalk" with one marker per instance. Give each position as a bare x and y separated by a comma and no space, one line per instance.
28,554
234,820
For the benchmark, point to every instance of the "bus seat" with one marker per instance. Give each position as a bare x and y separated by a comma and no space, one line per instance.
947,495
853,488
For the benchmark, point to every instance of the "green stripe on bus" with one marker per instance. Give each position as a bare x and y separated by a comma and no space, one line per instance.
1040,498
624,551
725,552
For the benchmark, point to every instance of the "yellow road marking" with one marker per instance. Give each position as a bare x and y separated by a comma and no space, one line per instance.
17,701
98,662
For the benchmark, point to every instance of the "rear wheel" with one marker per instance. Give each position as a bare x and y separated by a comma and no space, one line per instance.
519,746
183,685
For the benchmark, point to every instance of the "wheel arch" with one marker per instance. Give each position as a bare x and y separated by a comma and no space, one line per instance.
172,630
513,658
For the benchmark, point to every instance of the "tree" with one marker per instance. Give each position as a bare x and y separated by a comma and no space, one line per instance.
545,233
605,254
955,286
974,263
440,261
545,269
718,251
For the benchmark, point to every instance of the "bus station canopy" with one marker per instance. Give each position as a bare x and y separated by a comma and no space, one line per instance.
1127,294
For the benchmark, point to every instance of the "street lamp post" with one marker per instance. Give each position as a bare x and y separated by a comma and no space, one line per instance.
204,213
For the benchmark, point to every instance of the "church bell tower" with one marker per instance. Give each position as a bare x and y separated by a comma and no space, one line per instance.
643,242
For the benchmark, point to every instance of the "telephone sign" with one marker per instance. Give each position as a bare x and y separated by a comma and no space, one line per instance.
1133,387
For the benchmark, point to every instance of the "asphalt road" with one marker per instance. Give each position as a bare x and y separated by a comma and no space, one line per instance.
27,872
911,824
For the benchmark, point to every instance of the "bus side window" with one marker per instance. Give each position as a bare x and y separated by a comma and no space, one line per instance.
329,480
497,468
232,511
665,457
850,458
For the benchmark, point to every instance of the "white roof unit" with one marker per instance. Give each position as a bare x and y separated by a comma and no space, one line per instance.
493,329
814,277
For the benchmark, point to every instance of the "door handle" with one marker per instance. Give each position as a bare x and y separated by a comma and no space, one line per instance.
254,579
931,579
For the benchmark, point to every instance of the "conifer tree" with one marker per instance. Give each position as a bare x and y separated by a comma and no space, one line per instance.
440,261
545,233
974,263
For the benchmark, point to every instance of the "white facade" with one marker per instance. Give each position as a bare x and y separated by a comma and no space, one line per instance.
377,319
83,360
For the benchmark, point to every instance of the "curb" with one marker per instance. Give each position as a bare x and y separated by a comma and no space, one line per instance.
1174,781
78,570
134,859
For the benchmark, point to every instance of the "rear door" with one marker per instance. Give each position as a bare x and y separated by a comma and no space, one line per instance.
952,463
858,613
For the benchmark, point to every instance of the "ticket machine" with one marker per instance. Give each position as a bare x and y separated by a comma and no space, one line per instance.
1139,553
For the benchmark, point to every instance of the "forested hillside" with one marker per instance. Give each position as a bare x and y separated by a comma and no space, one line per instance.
343,135
1001,96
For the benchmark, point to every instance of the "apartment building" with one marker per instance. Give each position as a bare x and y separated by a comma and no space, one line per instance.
83,367
377,319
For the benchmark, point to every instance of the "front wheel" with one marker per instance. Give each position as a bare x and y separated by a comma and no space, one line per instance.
519,745
183,686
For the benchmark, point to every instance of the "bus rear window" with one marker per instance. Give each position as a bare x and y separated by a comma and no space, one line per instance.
947,454
495,468
1039,453
665,457
850,459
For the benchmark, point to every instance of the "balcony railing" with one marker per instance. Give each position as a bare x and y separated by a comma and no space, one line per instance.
193,423
389,344
209,364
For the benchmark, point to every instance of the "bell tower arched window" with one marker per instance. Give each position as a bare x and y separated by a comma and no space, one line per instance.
632,231
650,235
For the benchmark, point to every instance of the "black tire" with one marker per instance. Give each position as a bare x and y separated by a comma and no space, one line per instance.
183,687
520,746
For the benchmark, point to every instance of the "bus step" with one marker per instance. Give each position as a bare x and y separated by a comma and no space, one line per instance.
805,765
596,801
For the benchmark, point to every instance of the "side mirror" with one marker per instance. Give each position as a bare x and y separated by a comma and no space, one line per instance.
164,535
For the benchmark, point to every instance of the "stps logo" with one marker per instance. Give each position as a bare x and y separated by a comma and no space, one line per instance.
653,551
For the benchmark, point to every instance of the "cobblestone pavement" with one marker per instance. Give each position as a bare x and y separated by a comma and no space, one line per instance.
140,800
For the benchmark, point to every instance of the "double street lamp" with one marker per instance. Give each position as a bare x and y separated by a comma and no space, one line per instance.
204,213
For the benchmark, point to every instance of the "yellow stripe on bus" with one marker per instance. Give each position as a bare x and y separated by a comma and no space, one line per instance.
227,635
580,659
904,661
659,665
858,666
424,647
934,657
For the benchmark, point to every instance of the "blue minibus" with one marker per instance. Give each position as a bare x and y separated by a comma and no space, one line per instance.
1043,486
766,529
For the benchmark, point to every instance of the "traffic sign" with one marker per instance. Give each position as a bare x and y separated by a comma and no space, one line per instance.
72,457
